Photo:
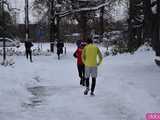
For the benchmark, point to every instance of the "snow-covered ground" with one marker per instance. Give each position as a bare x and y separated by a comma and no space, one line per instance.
48,89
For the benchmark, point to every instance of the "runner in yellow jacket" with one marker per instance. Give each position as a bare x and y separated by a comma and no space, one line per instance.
91,57
90,54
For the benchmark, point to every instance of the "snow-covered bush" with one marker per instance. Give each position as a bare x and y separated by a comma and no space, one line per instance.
35,52
8,62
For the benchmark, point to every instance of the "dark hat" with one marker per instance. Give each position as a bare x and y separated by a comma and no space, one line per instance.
89,40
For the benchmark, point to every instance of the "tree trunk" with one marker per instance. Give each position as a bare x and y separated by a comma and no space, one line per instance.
130,25
52,26
147,19
157,40
83,24
101,23
58,29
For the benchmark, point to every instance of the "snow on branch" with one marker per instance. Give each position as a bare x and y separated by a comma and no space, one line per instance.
137,26
62,14
154,3
92,8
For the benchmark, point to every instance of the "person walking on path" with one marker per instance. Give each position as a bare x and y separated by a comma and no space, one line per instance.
60,46
80,65
92,58
28,45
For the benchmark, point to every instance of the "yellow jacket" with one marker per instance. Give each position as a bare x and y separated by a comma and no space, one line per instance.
90,54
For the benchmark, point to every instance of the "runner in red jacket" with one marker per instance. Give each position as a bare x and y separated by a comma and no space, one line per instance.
80,65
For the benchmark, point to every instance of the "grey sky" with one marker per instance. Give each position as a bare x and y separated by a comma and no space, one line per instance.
20,4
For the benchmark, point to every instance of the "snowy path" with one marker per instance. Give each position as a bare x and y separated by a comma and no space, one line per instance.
48,89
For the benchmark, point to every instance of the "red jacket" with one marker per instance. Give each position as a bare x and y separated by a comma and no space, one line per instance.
78,54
